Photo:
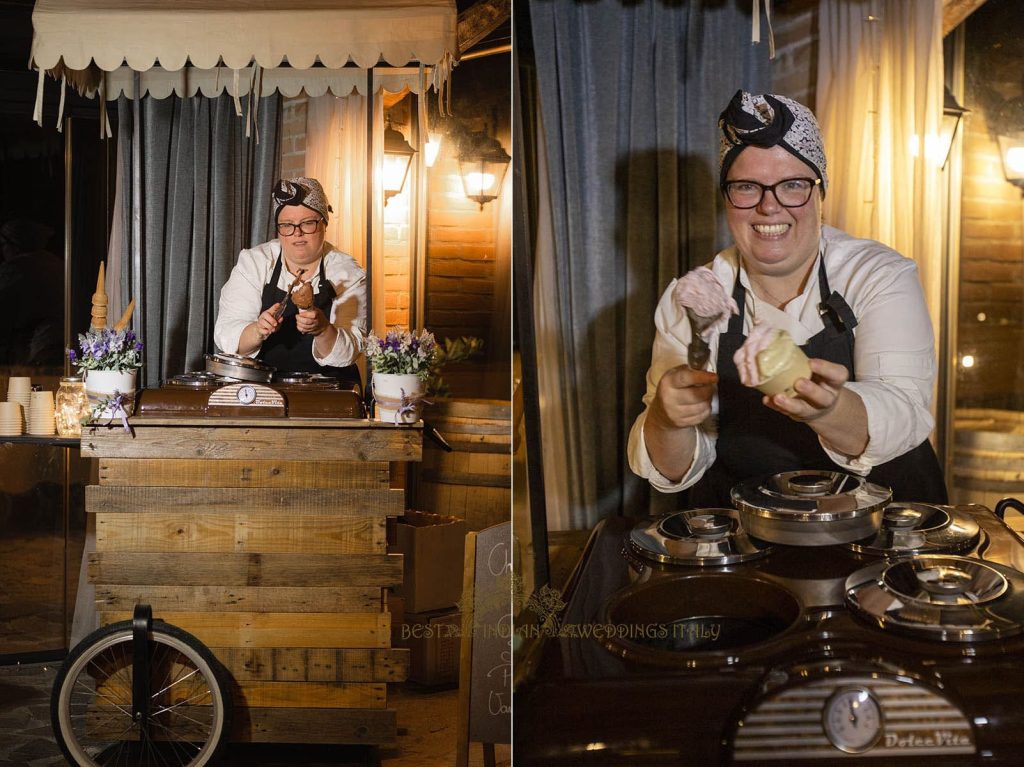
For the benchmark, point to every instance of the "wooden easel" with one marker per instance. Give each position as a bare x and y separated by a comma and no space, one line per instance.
485,658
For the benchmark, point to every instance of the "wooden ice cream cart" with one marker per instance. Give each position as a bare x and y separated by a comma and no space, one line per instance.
264,538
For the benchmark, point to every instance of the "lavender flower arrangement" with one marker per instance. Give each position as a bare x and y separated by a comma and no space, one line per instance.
402,352
107,349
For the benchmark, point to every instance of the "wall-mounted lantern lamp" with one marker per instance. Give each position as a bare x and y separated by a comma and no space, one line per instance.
952,116
482,165
431,148
397,158
1011,147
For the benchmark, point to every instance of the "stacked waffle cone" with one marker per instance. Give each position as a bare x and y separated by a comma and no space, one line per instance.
99,305
99,301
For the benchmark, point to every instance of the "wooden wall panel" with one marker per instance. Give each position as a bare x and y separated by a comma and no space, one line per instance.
226,442
198,569
375,503
170,472
278,565
329,630
267,599
240,532
314,725
300,664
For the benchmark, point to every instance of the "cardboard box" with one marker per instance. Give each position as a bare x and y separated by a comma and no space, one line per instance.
433,546
434,640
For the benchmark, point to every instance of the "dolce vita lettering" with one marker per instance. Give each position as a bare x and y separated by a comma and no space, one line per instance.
926,739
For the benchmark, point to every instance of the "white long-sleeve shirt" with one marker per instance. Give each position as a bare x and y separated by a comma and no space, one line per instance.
241,299
894,350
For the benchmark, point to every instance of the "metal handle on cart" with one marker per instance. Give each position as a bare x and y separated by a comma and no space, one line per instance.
142,621
1013,503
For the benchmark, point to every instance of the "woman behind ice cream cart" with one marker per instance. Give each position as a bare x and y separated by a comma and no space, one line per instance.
854,306
257,316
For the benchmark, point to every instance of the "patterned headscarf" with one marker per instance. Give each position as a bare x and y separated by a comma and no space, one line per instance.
767,120
300,191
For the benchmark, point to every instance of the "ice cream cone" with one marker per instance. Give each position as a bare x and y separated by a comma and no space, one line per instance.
122,323
99,300
780,365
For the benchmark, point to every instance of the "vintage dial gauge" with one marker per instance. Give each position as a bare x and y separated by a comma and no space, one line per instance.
246,394
852,719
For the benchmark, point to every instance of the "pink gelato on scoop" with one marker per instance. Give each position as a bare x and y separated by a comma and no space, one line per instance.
760,338
701,291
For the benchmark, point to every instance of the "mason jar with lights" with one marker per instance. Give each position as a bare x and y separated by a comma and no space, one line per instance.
71,404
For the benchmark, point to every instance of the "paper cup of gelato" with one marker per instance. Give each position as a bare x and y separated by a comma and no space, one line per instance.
770,362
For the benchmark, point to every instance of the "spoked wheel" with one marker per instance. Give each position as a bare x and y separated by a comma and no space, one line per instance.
92,711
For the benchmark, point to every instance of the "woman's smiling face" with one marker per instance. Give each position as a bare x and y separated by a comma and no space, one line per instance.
301,249
772,239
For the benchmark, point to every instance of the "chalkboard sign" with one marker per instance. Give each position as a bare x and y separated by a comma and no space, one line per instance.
487,636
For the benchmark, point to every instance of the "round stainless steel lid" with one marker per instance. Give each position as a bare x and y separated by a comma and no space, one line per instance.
241,368
697,537
306,380
942,597
810,495
196,380
919,528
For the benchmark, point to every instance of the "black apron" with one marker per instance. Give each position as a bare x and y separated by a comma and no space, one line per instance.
754,440
287,349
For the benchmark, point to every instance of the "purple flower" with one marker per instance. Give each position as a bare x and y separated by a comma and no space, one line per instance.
72,357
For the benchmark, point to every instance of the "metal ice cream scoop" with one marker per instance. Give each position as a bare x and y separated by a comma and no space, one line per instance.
699,352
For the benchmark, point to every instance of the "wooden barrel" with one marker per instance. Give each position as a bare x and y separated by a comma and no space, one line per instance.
988,456
474,481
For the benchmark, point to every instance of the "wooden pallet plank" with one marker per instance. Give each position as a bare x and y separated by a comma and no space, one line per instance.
314,664
269,599
178,472
334,630
199,569
240,532
343,442
314,725
371,503
258,694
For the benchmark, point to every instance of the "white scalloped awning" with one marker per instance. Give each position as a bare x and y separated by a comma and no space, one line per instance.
206,33
187,82
190,46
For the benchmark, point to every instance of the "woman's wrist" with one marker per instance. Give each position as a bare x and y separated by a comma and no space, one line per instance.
324,340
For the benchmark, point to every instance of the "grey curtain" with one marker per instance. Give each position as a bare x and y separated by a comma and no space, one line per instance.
194,192
628,99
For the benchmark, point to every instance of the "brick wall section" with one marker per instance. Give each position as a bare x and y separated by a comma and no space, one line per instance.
460,255
991,318
795,66
293,137
397,259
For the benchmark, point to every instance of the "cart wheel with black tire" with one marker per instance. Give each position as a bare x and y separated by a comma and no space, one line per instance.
141,693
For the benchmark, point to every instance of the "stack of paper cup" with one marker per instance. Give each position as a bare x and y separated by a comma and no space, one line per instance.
19,389
10,419
41,418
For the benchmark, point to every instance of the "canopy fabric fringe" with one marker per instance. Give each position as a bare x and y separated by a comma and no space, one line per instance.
755,29
160,83
183,48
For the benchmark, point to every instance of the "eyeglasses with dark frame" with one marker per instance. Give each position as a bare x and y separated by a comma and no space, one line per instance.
308,226
790,192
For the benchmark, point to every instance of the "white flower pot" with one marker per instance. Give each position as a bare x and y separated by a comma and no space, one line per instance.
104,385
397,397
